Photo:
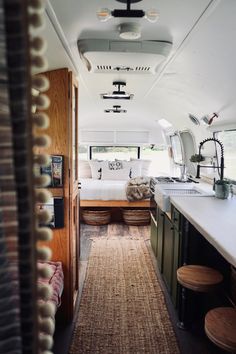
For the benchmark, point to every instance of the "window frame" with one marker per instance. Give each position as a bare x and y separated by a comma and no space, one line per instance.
232,181
113,146
182,149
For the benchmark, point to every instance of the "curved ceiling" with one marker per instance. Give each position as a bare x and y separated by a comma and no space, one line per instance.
198,75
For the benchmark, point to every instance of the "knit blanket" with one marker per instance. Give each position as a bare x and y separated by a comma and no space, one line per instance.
138,188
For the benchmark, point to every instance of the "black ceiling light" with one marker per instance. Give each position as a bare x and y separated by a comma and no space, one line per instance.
105,14
115,109
117,94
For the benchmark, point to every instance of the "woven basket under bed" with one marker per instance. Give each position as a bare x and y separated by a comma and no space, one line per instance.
96,217
136,217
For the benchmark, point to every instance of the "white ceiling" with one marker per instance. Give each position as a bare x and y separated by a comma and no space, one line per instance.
199,76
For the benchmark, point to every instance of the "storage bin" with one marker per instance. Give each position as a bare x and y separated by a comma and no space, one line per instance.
136,217
96,216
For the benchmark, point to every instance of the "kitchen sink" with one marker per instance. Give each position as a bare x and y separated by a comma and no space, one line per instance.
163,193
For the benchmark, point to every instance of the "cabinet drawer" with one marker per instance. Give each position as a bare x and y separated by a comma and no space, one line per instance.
175,217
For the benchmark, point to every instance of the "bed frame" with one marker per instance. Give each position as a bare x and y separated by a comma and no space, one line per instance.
115,203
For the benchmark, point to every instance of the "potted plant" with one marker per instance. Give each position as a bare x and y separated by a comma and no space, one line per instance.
197,158
222,188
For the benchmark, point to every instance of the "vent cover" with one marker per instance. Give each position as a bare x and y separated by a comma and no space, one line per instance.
109,68
107,56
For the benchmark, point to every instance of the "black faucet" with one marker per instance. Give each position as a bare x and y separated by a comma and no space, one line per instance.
221,158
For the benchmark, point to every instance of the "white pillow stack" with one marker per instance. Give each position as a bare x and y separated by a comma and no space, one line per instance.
96,168
119,169
145,166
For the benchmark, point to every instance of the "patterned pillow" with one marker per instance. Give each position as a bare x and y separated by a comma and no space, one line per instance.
116,170
134,165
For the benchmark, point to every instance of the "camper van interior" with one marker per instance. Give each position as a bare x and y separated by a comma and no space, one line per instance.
117,176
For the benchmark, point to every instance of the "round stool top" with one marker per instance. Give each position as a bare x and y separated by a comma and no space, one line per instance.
199,278
220,327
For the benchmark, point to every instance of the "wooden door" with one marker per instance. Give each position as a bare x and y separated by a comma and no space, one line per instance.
73,190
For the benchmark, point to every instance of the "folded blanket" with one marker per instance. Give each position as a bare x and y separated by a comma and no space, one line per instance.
138,188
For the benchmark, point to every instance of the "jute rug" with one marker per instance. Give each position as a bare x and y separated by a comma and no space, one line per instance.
122,307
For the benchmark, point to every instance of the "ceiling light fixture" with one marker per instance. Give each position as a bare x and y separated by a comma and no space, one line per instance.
130,30
105,14
115,109
207,120
118,94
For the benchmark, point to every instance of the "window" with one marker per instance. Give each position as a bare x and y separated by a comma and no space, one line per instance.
228,138
189,149
160,162
114,152
176,149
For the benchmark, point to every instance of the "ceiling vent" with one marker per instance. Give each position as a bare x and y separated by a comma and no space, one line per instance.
109,56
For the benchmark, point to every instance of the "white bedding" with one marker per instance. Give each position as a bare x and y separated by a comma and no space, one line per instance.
94,189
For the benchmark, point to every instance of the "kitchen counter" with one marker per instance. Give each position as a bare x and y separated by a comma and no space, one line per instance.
214,218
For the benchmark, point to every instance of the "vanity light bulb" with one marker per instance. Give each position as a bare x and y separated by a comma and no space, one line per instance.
104,15
151,15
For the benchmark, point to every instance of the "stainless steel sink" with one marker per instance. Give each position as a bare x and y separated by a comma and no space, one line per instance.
165,191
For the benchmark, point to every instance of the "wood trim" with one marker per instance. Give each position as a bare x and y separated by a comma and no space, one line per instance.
115,203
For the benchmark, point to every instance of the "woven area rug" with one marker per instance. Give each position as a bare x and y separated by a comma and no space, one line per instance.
122,307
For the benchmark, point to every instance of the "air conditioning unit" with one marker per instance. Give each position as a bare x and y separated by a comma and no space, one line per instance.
110,56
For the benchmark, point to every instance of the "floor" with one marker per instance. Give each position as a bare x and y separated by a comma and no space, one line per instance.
192,341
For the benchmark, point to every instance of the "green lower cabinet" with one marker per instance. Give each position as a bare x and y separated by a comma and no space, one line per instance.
176,260
168,250
160,236
153,236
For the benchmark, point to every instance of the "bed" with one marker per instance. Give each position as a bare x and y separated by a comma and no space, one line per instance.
103,183
103,193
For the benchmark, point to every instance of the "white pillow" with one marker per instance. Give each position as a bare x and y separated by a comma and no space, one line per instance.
115,170
144,167
136,168
84,169
96,168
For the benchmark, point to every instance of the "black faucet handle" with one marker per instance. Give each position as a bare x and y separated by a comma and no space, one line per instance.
198,171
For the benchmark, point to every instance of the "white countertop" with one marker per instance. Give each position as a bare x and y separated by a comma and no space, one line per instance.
214,218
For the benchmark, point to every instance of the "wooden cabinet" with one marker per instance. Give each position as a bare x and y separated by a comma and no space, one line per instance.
63,130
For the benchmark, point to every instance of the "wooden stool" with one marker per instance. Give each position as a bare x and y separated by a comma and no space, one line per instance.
220,327
196,278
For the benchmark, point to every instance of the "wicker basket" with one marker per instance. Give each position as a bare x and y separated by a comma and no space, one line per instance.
136,217
96,216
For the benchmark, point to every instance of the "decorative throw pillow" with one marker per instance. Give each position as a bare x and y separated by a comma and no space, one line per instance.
115,165
115,170
144,167
96,168
136,168
84,169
